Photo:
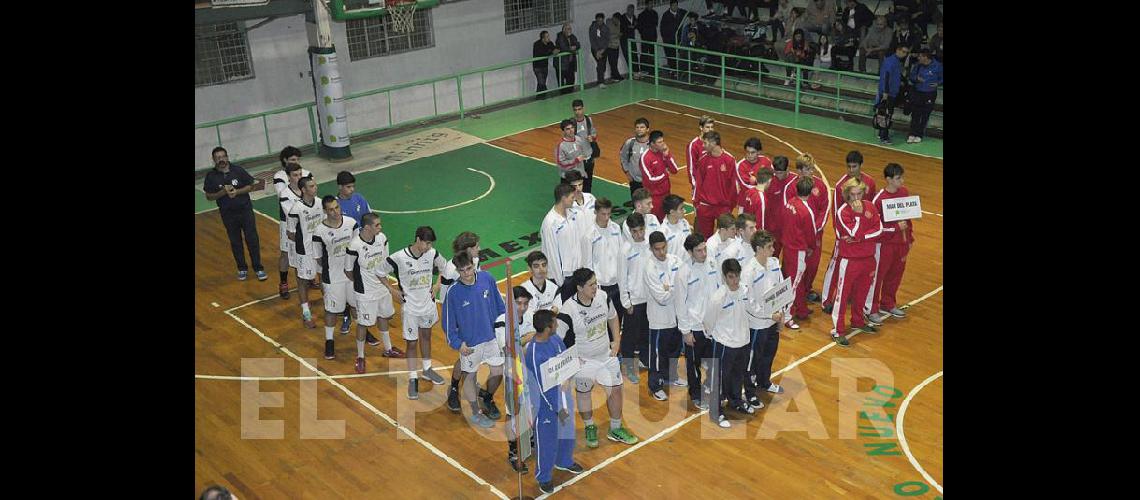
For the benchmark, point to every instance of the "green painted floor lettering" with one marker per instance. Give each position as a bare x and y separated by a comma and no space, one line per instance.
876,449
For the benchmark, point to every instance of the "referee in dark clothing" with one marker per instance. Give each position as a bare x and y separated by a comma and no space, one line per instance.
229,185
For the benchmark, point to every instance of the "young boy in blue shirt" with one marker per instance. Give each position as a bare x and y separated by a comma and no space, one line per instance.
554,425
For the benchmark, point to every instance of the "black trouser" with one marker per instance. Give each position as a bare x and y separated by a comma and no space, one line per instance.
625,53
588,182
764,344
921,105
776,27
568,69
601,67
633,186
727,376
237,223
701,349
635,331
612,57
670,53
540,76
885,134
648,55
612,293
664,347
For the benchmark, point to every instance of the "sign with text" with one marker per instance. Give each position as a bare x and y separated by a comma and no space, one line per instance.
901,209
558,369
779,296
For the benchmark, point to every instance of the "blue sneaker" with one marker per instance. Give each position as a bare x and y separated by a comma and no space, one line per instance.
344,325
261,276
242,275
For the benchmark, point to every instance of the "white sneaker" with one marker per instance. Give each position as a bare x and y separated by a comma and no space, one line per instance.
723,423
791,324
601,85
787,83
660,395
680,383
917,139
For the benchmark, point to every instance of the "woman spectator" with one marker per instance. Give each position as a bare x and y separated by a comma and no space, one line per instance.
823,59
798,51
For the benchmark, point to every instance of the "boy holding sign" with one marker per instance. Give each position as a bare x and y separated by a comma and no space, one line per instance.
553,426
762,274
898,237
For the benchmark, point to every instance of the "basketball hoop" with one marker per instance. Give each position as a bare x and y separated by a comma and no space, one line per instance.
402,12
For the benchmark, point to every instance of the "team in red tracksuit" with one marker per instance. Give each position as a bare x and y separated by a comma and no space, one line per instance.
799,243
859,227
693,156
829,275
756,203
894,245
820,205
775,194
655,169
746,174
716,185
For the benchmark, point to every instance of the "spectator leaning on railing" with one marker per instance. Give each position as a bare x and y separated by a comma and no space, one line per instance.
627,22
543,47
599,41
647,28
876,44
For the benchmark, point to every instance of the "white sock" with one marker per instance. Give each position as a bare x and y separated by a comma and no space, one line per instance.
427,364
360,348
615,423
305,308
328,332
387,340
588,421
415,374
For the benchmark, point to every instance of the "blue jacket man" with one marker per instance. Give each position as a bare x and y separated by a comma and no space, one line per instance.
890,81
926,76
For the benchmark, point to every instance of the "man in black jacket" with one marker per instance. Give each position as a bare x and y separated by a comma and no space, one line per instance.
627,21
543,47
670,31
647,28
568,42
857,17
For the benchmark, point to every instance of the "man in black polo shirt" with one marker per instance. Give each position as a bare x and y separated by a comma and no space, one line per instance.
230,185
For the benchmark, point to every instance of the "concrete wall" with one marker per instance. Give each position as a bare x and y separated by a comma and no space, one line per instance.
468,34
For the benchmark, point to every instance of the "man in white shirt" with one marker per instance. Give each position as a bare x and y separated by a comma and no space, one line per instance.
582,210
761,273
725,232
699,278
665,304
562,242
726,318
635,333
643,204
605,253
675,227
414,267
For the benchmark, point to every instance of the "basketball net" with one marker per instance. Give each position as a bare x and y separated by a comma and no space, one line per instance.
402,13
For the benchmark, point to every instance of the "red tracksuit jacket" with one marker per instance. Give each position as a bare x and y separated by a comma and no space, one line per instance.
799,226
695,152
745,171
817,200
716,180
655,170
863,227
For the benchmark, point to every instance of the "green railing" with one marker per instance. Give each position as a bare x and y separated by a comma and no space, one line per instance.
508,82
809,87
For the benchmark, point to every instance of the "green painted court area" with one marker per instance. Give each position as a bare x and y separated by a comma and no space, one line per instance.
452,192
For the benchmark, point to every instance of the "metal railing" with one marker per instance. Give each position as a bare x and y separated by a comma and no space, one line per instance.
456,94
801,86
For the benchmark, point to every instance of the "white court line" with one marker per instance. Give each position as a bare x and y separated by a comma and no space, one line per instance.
206,210
350,375
902,435
694,416
366,404
484,195
802,130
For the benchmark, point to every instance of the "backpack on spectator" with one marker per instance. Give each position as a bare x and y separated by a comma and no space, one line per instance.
597,150
882,119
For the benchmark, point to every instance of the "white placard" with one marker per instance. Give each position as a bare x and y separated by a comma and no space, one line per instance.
907,207
558,369
779,296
